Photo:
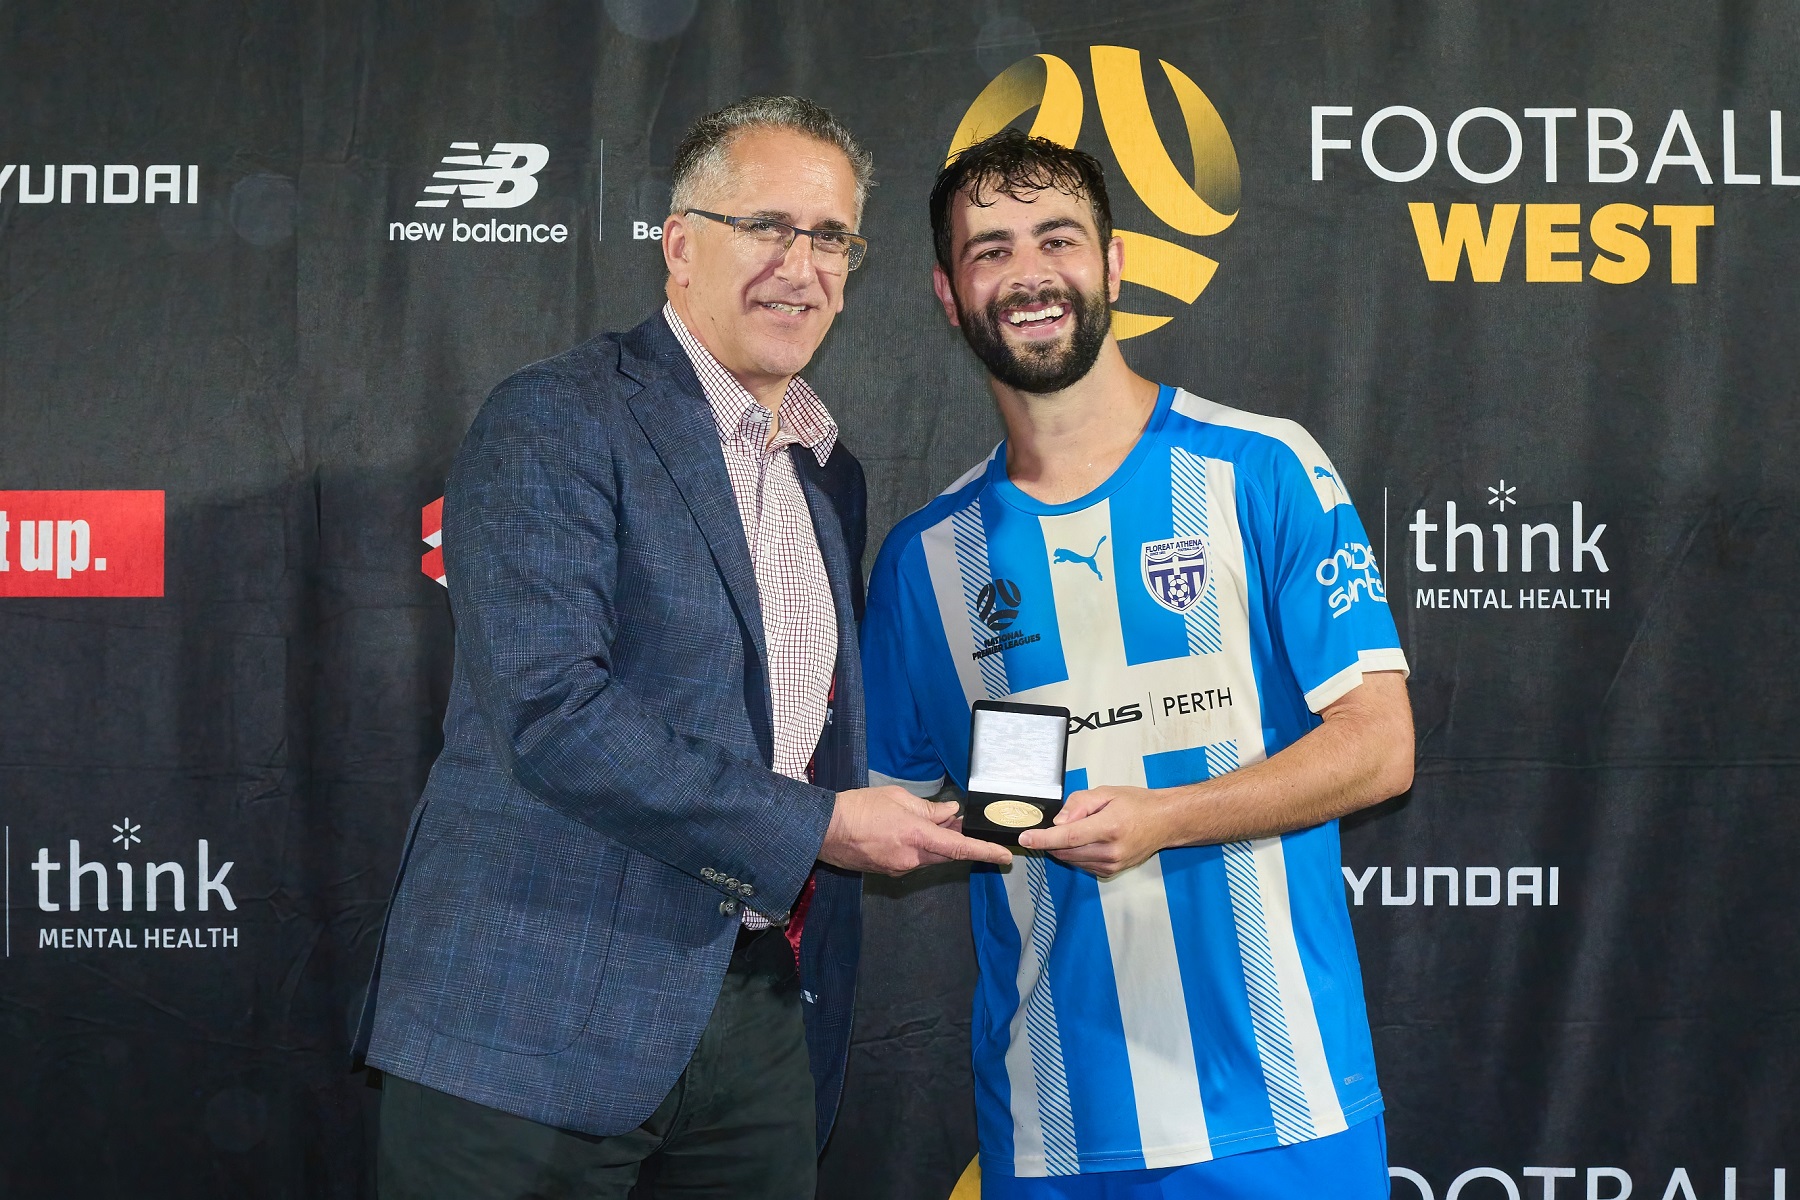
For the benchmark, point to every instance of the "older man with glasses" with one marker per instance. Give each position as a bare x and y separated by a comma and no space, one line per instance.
622,948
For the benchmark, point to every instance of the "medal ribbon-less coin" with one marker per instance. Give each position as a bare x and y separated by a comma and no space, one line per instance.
1013,814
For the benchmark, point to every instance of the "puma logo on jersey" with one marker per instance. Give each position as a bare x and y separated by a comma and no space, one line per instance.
1323,475
1069,556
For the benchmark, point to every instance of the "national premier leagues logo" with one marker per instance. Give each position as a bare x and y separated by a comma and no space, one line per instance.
998,604
1175,572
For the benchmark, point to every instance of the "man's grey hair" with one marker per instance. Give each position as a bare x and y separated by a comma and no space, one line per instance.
703,162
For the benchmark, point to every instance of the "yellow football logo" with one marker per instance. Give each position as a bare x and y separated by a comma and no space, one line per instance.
1202,207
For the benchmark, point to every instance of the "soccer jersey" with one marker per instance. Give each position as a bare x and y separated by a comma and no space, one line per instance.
1194,613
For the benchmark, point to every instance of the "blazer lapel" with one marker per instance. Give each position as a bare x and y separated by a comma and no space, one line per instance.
674,415
828,526
846,578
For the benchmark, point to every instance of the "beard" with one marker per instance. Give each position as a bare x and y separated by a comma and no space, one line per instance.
1039,368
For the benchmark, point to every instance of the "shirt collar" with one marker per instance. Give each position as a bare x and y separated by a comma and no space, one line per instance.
804,417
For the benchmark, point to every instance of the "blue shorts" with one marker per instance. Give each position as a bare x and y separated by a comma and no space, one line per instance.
1351,1165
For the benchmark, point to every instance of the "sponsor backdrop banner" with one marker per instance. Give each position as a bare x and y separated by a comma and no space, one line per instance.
1525,270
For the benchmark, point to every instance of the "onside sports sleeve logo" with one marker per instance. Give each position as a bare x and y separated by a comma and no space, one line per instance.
1348,574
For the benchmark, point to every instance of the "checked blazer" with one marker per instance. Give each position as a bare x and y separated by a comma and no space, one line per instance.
571,885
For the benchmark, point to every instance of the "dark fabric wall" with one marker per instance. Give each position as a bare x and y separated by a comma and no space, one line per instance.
292,373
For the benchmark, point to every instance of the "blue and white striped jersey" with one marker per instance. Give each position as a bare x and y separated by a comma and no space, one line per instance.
1194,612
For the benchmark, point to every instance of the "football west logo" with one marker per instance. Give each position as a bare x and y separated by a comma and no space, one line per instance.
1175,572
1201,207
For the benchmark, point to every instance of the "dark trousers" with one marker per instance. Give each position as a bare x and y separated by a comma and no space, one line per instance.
738,1123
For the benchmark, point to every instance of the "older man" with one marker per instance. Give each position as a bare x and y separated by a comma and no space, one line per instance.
628,908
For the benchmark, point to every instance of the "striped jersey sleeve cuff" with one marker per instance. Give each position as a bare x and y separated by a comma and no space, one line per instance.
1339,685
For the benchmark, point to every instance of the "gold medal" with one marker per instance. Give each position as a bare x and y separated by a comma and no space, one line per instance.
1014,814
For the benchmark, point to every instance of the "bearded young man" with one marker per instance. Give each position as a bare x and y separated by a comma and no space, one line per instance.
1169,1002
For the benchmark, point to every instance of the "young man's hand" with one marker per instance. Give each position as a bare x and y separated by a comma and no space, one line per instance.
1359,755
1104,830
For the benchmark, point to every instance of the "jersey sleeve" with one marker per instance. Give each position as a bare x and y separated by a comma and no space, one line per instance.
900,750
1328,597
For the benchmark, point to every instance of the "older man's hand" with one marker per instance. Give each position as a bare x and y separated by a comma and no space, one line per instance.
890,830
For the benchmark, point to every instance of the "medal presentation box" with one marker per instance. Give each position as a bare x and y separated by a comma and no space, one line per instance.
1016,757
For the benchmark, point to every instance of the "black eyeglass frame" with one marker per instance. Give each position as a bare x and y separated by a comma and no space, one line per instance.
859,244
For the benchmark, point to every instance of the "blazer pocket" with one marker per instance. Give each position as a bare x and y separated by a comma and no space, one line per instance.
523,902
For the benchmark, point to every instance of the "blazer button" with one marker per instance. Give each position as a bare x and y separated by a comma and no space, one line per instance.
708,874
727,908
732,885
746,891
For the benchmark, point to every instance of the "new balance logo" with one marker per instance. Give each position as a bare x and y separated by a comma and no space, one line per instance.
504,178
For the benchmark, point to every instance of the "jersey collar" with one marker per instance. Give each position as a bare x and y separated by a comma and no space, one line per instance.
1010,492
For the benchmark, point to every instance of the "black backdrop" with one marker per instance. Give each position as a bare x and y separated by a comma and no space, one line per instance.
1606,753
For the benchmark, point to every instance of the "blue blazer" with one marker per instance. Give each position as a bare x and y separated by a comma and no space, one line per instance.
571,886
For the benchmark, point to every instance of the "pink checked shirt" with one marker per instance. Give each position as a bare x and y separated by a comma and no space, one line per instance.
799,618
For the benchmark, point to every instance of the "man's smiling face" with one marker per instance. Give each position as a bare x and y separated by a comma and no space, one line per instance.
1032,286
760,311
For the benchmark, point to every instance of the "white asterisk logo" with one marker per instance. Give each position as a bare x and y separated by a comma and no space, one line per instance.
1502,495
127,833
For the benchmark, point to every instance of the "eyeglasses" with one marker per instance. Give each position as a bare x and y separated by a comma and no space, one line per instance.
831,247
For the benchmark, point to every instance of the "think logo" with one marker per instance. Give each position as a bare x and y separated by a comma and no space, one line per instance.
504,178
1175,572
1200,207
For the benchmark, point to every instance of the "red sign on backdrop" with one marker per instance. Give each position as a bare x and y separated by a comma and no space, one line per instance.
431,528
81,543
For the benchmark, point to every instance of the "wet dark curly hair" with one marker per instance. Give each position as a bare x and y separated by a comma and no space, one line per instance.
1010,163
